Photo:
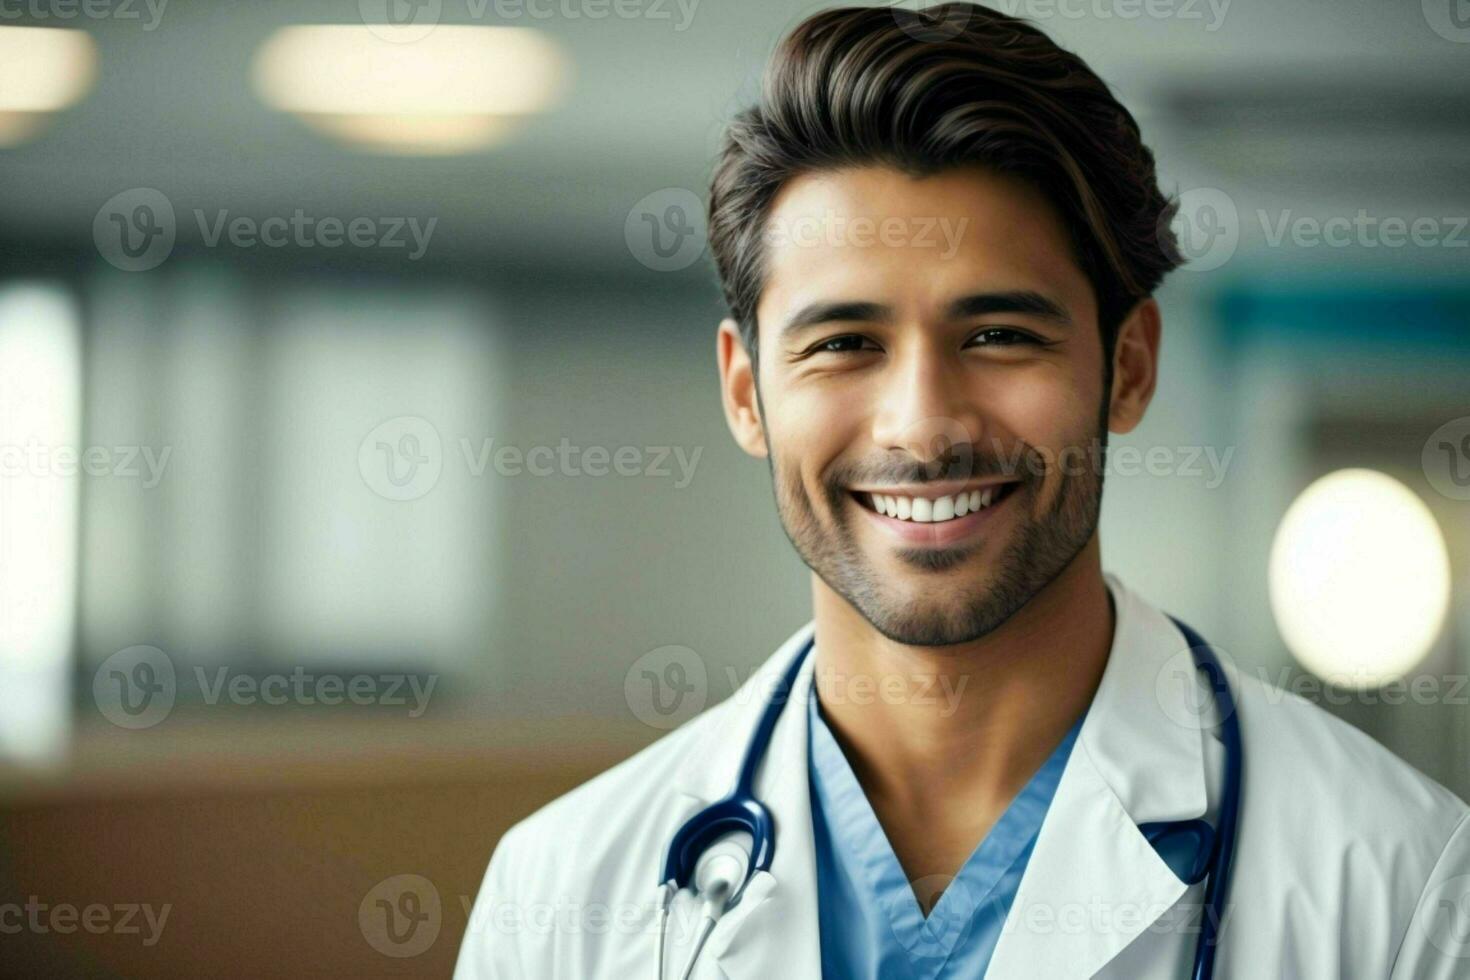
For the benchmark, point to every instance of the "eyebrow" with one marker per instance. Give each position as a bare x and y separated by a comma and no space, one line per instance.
1026,301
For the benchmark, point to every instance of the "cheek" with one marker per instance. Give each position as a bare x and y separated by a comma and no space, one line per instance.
1049,410
818,421
811,430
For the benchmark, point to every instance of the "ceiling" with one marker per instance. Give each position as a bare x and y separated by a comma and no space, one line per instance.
1248,95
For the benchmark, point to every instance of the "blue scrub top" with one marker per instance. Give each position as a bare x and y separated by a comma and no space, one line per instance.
871,924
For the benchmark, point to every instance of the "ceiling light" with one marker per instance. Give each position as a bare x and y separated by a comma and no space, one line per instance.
42,71
453,90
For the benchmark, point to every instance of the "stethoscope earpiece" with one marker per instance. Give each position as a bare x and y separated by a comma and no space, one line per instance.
720,872
723,869
741,828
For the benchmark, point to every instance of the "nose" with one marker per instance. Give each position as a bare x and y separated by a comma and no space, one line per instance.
927,408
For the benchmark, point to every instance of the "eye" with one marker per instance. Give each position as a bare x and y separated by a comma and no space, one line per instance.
844,344
1005,337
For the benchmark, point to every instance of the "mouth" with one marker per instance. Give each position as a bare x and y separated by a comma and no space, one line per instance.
937,520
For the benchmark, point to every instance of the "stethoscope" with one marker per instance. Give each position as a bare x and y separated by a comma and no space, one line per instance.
719,849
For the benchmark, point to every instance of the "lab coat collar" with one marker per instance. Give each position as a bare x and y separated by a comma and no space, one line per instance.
1144,733
1093,882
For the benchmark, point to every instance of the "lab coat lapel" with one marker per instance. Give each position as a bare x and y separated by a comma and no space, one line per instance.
773,930
1094,883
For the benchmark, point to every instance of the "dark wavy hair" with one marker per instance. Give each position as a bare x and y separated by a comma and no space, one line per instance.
922,91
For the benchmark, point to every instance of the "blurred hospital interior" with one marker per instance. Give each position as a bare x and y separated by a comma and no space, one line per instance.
360,444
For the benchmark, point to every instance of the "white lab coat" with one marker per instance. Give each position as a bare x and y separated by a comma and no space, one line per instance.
1348,863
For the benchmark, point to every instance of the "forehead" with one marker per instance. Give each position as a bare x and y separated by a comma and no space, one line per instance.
876,233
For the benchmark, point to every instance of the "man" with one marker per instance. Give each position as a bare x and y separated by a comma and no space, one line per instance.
938,236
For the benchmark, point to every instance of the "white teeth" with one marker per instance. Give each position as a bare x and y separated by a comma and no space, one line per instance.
925,510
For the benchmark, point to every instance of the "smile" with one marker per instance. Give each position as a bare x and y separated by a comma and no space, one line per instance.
933,510
952,520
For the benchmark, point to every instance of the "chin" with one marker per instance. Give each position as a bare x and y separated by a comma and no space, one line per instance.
914,622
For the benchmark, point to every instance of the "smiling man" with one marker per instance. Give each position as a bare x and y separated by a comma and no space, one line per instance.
938,237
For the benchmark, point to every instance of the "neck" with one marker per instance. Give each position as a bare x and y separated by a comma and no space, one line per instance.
930,728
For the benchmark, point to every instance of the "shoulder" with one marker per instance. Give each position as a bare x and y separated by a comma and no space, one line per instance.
577,834
581,868
1361,830
623,818
1328,765
604,806
585,866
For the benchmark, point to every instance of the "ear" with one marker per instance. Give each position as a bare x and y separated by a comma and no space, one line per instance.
1135,366
737,390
